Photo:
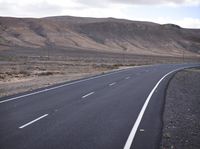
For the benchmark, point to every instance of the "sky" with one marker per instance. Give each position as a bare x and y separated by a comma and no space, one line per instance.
185,13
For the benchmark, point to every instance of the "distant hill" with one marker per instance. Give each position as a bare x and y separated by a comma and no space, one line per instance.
101,34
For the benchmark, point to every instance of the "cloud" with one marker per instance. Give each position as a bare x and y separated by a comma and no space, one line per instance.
10,8
42,9
103,3
94,3
184,22
157,2
189,22
143,10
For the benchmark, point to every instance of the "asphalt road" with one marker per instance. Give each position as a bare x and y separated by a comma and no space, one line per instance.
121,109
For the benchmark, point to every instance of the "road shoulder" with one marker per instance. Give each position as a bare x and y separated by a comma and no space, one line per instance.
181,115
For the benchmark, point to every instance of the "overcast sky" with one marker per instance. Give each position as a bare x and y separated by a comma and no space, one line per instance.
185,13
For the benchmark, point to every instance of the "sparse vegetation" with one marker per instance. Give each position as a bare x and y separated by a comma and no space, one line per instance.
105,34
25,69
79,47
2,40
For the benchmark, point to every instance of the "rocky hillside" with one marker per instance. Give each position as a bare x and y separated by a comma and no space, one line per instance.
102,34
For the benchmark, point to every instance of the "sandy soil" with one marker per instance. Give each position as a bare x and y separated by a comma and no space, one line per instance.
182,113
100,34
24,69
16,77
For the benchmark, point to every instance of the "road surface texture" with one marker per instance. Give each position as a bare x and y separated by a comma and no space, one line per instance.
121,109
182,113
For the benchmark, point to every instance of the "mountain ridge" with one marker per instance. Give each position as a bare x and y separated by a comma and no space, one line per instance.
99,34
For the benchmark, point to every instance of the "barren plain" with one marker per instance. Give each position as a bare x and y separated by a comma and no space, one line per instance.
39,52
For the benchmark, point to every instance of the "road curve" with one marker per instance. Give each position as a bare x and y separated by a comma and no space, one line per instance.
117,110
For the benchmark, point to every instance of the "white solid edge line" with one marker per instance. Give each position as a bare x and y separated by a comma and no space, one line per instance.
139,118
67,84
31,122
88,94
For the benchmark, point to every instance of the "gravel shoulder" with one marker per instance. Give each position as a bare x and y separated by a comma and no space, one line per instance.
181,118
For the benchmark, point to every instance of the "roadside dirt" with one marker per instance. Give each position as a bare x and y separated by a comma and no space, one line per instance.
181,117
25,69
17,77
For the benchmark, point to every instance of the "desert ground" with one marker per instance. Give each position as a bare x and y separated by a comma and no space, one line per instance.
25,69
37,52
181,123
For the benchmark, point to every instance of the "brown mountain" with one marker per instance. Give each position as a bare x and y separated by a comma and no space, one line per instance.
102,34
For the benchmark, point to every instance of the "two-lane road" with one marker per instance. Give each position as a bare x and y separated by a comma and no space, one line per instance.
117,110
